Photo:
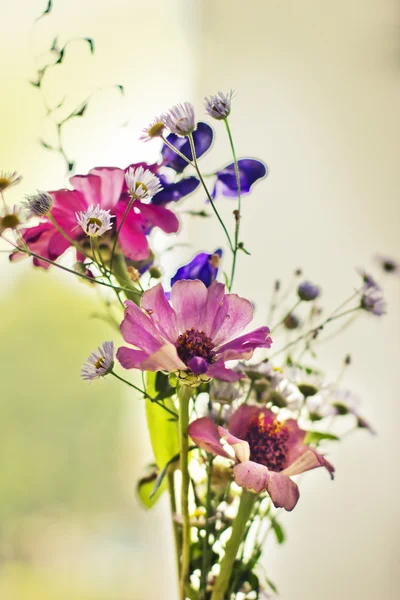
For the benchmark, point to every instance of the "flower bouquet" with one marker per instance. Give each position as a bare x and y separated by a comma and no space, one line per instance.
235,413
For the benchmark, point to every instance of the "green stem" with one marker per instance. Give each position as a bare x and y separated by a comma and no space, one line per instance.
196,166
238,215
66,236
232,546
172,147
299,301
121,274
206,548
129,206
145,394
175,525
184,395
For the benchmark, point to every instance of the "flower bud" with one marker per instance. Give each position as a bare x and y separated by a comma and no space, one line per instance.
39,204
155,272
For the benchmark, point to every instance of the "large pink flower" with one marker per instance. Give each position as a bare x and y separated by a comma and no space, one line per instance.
267,451
106,187
194,335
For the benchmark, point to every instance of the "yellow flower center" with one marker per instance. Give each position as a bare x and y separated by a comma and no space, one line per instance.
100,362
94,221
156,129
10,221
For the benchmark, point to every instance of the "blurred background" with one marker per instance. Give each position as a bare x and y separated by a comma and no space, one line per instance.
317,99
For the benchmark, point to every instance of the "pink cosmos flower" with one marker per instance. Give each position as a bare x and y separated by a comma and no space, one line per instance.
106,188
194,335
267,451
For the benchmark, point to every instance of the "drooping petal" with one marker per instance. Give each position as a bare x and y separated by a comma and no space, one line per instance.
131,359
233,315
218,371
203,137
251,475
241,447
159,216
204,433
244,346
188,298
172,192
250,169
309,459
201,267
240,420
155,303
283,491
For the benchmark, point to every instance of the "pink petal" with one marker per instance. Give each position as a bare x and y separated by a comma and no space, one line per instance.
89,186
251,476
283,491
219,371
159,216
205,434
57,246
131,359
215,296
295,442
112,180
138,329
234,314
188,297
241,447
243,347
155,303
165,359
309,459
132,237
240,420
66,204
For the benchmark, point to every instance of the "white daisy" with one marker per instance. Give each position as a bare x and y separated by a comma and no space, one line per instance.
154,129
180,119
95,221
142,183
99,363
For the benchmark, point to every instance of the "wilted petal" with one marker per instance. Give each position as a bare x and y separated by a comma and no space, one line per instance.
241,447
283,491
251,475
309,459
204,433
203,137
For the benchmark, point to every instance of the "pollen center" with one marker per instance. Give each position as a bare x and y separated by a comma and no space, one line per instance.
193,343
10,221
156,129
94,221
268,442
100,362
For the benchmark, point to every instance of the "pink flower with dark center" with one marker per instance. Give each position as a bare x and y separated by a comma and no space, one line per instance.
193,336
106,188
267,452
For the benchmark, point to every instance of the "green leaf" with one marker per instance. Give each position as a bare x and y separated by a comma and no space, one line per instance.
271,585
164,433
278,530
315,437
90,41
145,489
81,111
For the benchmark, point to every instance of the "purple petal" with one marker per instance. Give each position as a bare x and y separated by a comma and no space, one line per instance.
215,296
201,267
283,491
252,476
250,169
139,330
240,420
198,365
309,459
155,303
188,298
233,315
219,371
172,192
131,359
205,434
159,216
244,346
165,359
203,138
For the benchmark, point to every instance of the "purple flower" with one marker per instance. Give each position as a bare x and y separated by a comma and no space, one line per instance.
308,291
172,192
267,452
372,301
388,264
99,363
193,336
219,106
204,267
250,170
203,138
368,280
180,119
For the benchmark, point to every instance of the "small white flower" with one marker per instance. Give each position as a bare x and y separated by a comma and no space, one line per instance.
218,106
10,219
180,119
8,179
99,363
38,205
142,183
95,221
154,129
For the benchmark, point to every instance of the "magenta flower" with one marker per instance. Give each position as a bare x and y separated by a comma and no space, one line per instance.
267,452
193,336
106,188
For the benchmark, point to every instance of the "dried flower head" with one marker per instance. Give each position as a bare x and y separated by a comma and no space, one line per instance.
8,179
154,129
95,221
99,363
180,119
39,204
373,301
219,106
142,183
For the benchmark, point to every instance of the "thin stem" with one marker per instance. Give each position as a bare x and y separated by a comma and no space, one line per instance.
286,315
172,147
206,555
101,264
66,236
184,395
175,525
232,546
131,200
145,394
238,215
196,166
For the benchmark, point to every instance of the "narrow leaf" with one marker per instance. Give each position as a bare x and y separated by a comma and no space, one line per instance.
145,487
47,11
279,533
90,41
315,437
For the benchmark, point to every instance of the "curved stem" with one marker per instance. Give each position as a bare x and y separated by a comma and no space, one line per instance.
196,166
145,394
238,215
184,395
66,236
232,546
172,147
